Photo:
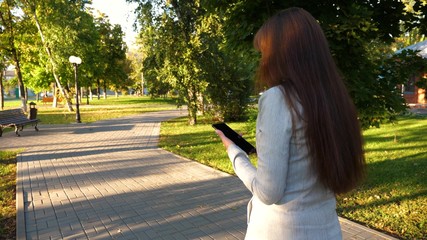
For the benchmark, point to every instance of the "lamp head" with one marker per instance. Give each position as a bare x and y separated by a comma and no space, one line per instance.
75,60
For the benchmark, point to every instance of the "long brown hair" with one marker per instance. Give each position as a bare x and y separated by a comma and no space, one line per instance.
296,55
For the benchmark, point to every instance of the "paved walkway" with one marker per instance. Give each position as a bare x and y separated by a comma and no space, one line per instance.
109,180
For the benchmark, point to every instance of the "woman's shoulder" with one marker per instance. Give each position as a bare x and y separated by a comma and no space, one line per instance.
275,97
273,93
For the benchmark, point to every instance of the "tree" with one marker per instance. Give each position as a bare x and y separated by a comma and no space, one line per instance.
2,67
181,47
34,61
176,49
65,28
115,54
9,24
229,85
135,71
31,8
419,10
351,28
3,63
111,63
86,45
103,27
153,66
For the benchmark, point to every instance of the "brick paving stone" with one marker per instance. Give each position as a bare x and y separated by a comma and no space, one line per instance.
108,180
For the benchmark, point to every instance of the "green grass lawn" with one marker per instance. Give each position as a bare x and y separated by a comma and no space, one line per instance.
200,142
393,197
96,110
7,194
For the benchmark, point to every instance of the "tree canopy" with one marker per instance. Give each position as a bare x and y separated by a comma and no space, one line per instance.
360,34
49,32
201,51
184,49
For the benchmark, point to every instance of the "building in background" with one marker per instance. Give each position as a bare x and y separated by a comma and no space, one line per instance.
10,91
413,95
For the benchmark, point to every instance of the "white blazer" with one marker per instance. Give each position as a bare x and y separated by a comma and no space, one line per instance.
288,200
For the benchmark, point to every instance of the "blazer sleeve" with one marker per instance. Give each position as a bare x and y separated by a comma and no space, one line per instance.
274,131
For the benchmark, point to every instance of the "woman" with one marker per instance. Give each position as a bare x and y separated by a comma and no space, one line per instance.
308,138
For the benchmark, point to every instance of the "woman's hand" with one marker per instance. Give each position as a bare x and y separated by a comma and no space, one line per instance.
227,142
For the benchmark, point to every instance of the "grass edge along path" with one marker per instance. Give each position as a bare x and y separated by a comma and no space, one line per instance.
8,194
393,197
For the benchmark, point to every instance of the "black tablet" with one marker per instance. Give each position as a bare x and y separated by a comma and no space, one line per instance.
235,137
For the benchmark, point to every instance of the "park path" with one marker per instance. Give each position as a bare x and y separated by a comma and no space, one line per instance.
109,180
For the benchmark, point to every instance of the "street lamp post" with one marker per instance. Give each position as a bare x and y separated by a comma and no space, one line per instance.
76,61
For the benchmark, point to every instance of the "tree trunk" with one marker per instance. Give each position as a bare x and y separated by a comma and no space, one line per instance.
26,94
98,89
55,96
192,107
11,39
81,95
1,91
88,92
142,84
20,82
105,90
49,53
200,104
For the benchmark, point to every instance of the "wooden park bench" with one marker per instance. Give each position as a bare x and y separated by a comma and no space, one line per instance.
46,99
15,118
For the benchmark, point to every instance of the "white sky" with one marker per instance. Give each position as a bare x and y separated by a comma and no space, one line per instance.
119,12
